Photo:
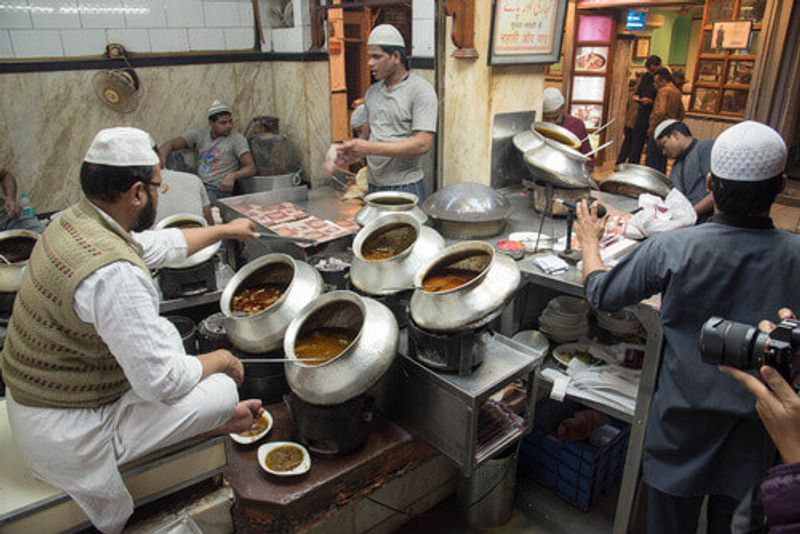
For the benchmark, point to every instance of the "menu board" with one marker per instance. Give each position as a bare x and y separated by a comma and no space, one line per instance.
526,31
588,88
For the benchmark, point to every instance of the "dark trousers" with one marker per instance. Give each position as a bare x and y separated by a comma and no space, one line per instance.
655,159
625,148
639,136
667,514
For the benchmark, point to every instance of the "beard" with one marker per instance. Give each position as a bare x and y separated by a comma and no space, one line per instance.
147,216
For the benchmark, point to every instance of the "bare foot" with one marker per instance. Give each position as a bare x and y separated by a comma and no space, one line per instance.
244,417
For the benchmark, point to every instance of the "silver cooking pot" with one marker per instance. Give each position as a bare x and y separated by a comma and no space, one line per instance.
632,180
398,232
470,305
16,246
559,134
360,365
263,331
559,165
189,220
526,140
388,202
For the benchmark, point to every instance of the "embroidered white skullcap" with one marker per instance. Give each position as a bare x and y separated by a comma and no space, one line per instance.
359,116
385,35
663,125
553,99
748,152
218,107
122,147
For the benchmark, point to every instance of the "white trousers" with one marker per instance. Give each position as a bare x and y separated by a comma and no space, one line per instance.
78,450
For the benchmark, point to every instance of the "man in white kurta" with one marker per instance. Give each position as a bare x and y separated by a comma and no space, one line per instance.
167,396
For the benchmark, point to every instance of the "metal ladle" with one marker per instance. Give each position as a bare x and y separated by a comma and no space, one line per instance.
5,260
598,149
597,131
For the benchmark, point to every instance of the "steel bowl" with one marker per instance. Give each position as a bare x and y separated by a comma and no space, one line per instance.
389,202
633,180
559,165
400,232
557,133
180,220
263,331
16,246
473,304
360,365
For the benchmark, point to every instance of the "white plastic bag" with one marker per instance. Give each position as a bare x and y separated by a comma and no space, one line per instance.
659,215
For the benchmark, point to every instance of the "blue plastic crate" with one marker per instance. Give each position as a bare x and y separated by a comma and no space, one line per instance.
578,472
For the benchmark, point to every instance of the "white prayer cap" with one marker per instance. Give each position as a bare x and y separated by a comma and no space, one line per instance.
385,35
359,116
748,152
218,107
663,125
553,100
122,147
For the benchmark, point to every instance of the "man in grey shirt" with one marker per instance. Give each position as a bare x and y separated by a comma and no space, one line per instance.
691,167
181,192
401,112
224,155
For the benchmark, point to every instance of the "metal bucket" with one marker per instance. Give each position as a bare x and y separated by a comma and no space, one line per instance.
487,498
259,184
187,330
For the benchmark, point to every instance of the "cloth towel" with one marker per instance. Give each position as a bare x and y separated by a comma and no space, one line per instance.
551,264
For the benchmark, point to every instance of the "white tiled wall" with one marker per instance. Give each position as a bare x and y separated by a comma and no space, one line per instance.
69,28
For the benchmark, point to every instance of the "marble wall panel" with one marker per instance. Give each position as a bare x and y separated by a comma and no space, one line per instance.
47,120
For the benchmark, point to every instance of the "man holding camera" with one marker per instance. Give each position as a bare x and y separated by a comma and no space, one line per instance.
703,435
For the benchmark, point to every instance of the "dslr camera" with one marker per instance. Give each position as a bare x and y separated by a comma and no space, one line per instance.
743,346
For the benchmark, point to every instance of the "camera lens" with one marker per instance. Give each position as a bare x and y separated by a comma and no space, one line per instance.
728,343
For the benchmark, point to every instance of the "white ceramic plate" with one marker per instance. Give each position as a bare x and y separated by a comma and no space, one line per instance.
247,440
562,353
266,448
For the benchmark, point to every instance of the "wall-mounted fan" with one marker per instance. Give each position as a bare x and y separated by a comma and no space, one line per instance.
119,89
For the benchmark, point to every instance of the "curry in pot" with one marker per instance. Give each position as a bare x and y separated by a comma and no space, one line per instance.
447,279
380,253
322,345
17,249
255,299
284,458
557,136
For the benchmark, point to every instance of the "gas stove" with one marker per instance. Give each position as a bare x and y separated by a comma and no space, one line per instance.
459,352
177,283
332,430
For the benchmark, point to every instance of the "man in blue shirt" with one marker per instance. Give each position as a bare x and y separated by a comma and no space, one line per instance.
691,167
703,435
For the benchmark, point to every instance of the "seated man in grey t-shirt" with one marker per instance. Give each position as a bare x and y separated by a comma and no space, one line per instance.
224,155
401,113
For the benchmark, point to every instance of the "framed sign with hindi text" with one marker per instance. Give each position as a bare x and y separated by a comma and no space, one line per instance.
526,31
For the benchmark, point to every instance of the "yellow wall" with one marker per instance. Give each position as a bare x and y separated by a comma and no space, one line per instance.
473,94
47,120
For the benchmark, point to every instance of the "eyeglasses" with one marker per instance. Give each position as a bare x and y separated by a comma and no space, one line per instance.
160,186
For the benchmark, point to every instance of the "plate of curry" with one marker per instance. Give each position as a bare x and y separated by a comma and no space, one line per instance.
284,458
260,429
322,345
253,300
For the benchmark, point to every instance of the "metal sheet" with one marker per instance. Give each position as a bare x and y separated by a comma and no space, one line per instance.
507,166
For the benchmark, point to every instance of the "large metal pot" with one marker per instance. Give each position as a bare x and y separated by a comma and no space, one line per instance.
468,210
189,220
389,202
263,331
557,133
526,140
473,304
360,365
558,164
399,233
632,180
16,247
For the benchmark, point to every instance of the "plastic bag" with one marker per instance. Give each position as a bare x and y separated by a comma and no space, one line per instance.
659,215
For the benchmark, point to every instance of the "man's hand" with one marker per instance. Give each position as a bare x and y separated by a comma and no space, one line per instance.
11,208
228,182
240,229
351,151
222,361
777,404
589,228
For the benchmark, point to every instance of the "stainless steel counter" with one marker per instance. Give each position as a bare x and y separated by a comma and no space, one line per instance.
223,272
